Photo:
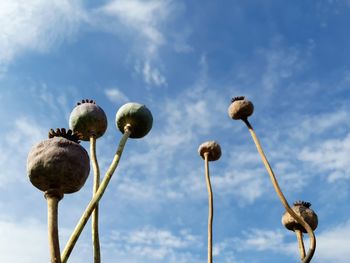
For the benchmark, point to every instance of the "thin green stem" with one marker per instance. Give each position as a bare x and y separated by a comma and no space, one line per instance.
210,209
94,217
52,198
284,202
96,198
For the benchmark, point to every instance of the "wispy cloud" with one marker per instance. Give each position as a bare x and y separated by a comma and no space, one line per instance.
36,25
17,142
151,75
145,17
155,245
331,156
116,95
19,236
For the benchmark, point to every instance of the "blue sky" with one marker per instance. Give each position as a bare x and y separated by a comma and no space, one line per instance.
184,60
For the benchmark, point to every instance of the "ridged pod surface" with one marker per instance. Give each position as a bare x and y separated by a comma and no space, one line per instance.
58,163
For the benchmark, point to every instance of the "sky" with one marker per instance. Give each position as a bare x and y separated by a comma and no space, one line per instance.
184,60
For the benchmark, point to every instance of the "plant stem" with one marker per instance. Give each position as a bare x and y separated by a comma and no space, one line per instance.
210,209
96,198
52,198
284,202
299,235
94,217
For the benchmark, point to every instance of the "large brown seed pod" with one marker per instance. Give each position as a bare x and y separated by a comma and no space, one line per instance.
58,163
212,148
138,116
302,209
240,108
88,119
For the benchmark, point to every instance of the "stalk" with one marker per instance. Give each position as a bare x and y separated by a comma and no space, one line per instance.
94,217
283,200
52,198
299,235
210,209
96,198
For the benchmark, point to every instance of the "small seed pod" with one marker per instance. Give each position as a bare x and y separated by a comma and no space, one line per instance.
240,108
302,209
88,119
212,148
59,163
138,116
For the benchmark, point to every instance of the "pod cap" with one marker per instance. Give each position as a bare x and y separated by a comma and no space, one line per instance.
138,116
88,119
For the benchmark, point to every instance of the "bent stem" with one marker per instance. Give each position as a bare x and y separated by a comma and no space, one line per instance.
210,209
94,217
299,235
52,198
284,202
97,196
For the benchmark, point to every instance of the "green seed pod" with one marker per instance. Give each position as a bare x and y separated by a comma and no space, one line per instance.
59,163
302,209
240,108
138,116
211,147
88,119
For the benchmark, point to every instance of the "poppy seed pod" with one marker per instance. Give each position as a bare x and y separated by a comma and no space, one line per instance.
212,148
240,108
59,163
138,116
88,119
302,209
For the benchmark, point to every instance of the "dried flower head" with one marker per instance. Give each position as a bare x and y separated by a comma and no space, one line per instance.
212,148
302,209
88,119
138,116
240,108
58,163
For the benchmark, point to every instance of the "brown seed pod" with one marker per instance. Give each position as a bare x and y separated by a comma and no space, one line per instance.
240,108
212,148
88,119
302,209
58,163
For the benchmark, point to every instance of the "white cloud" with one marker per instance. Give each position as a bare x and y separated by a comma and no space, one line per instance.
145,17
36,25
318,124
116,95
332,244
331,157
152,75
155,245
23,241
23,135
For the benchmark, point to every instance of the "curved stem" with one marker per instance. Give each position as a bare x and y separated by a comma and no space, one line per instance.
53,197
299,235
94,217
96,198
210,209
284,202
